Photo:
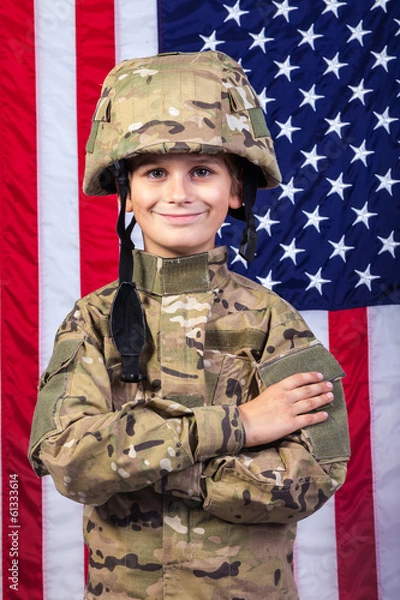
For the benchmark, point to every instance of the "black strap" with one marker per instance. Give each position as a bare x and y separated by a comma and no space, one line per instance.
248,244
128,328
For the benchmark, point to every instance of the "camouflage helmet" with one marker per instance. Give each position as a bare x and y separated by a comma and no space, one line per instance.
177,103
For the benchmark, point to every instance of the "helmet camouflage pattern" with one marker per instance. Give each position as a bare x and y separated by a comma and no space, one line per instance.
177,103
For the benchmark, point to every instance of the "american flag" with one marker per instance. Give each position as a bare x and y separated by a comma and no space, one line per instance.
327,75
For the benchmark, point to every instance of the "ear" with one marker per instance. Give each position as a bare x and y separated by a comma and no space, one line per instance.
236,200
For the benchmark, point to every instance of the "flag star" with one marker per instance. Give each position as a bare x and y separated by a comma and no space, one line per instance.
314,219
398,81
361,153
357,33
338,186
289,190
267,281
266,222
384,120
365,277
333,6
380,4
398,23
287,129
359,92
334,65
382,59
291,251
210,43
260,40
340,248
283,9
264,99
312,158
238,258
234,12
388,244
285,68
316,281
309,36
310,97
363,215
336,124
219,232
240,63
386,182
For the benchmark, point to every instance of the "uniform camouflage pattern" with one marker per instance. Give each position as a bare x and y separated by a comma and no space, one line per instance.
195,102
171,494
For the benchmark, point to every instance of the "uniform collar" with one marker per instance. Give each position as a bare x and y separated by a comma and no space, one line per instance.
188,274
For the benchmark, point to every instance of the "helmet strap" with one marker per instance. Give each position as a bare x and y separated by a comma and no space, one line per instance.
128,328
248,244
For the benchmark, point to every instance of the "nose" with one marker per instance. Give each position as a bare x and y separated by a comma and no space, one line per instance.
179,189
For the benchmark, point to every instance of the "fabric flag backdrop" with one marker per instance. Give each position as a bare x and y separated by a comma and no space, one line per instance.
327,74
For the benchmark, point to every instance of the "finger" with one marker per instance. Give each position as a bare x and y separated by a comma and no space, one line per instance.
311,390
310,404
301,379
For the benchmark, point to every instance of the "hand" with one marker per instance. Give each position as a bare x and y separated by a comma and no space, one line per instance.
285,407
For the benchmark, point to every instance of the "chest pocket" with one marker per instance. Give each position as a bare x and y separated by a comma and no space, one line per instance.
230,364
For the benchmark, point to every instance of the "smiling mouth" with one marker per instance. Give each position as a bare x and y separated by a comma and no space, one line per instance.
181,218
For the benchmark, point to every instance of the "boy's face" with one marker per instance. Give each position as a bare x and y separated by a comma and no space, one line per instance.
180,201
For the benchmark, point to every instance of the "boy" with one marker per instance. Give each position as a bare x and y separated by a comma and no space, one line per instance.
183,409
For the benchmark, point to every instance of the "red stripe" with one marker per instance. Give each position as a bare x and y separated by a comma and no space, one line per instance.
355,531
21,489
95,49
95,56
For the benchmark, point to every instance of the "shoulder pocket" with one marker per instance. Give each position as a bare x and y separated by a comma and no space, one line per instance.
63,354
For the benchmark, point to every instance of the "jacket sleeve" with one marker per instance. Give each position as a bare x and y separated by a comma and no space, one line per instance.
286,481
92,450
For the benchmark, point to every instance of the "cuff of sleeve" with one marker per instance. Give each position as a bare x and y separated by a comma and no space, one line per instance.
219,431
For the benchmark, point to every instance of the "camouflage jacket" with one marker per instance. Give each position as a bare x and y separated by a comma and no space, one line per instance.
175,506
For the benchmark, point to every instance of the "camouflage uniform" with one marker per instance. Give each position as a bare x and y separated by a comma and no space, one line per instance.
175,506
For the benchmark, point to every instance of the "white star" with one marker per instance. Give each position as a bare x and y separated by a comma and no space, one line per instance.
267,281
338,186
283,9
260,40
359,92
340,248
388,244
219,232
334,65
384,120
291,251
238,258
310,97
398,23
289,190
357,33
266,222
210,43
285,68
287,129
234,12
314,219
309,37
264,99
361,153
312,158
363,215
386,182
365,277
316,281
382,59
333,6
398,81
380,4
336,124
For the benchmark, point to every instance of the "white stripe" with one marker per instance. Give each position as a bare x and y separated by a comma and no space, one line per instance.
136,30
316,562
384,368
59,259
